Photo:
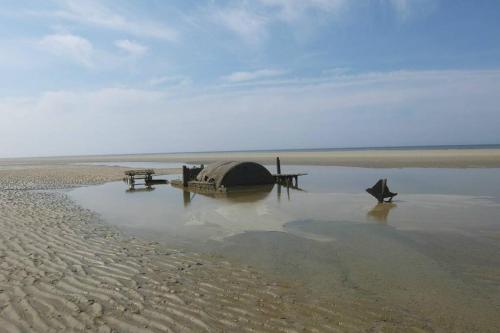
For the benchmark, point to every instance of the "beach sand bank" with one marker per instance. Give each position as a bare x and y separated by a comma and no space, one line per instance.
436,158
63,269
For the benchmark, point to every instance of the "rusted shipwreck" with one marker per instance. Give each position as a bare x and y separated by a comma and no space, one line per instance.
224,175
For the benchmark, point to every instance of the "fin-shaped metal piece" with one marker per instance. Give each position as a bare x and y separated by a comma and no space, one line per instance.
381,191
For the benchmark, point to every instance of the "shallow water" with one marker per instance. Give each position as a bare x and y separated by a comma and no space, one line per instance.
434,251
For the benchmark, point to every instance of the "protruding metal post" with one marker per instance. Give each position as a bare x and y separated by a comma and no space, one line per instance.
184,176
278,166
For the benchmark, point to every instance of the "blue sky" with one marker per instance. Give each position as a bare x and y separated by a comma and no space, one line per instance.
94,77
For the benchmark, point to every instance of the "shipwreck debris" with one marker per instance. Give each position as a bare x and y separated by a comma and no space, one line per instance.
145,174
224,175
381,191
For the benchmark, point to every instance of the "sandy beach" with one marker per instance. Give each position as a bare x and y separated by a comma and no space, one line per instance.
65,269
274,166
436,158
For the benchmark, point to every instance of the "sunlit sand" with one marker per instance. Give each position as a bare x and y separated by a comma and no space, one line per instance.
329,259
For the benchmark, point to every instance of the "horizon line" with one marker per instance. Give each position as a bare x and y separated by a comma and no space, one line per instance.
355,148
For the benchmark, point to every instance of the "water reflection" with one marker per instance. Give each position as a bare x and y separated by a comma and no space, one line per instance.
380,212
246,194
186,197
235,195
269,208
279,188
140,189
322,238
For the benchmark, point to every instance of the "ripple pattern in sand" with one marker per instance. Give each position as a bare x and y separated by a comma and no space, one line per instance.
62,270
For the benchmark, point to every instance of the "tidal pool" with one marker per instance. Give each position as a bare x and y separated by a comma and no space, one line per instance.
434,251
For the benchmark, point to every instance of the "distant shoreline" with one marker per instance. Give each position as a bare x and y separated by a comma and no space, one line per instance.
376,148
376,158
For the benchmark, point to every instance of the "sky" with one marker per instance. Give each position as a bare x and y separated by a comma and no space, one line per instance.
114,77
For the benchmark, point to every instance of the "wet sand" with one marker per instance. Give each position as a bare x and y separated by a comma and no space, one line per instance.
439,158
429,253
63,269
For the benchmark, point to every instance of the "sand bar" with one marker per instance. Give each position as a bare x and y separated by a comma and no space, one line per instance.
438,158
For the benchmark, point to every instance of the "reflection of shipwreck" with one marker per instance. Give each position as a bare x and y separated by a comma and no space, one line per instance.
232,176
240,195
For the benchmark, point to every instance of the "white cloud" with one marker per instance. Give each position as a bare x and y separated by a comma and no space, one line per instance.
75,48
133,48
251,20
336,71
405,9
416,107
249,76
245,23
94,13
174,80
290,10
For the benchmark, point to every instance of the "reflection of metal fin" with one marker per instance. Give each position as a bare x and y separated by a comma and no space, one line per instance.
380,212
381,191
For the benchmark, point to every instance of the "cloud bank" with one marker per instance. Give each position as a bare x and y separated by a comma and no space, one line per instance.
375,109
255,75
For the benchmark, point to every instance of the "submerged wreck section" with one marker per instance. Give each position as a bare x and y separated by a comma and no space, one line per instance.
220,176
131,176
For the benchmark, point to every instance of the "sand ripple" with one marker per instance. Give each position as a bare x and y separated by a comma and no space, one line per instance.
63,270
